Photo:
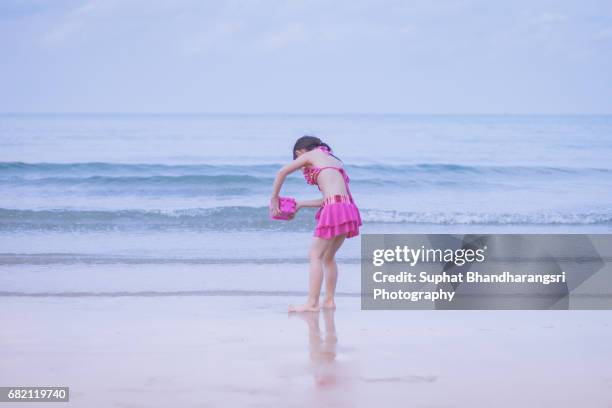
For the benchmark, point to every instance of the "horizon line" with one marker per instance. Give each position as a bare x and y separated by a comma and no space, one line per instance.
94,113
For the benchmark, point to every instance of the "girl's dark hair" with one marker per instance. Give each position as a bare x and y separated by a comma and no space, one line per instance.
309,143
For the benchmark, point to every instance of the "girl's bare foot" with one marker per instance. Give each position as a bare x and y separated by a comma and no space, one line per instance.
329,304
306,307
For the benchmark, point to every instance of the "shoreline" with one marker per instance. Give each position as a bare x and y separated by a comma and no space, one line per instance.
236,351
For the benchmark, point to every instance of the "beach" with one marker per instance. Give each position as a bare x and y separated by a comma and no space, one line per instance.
208,351
144,146
139,266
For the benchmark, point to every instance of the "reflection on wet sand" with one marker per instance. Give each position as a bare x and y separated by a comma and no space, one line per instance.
322,346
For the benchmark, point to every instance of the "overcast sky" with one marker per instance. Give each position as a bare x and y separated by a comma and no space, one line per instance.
357,56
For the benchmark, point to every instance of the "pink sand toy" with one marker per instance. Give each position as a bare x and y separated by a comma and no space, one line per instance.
287,206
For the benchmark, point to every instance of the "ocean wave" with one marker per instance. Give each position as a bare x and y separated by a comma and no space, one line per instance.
77,170
144,180
166,293
106,259
89,169
207,219
240,218
466,218
103,179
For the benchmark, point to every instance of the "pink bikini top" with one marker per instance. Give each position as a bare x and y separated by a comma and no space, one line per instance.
312,173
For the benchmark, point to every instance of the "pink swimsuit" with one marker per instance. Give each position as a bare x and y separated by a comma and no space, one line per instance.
338,215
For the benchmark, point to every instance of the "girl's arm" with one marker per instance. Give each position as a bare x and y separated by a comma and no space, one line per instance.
310,203
280,179
306,203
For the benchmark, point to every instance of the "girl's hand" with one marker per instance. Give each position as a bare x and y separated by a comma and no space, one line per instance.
274,208
298,205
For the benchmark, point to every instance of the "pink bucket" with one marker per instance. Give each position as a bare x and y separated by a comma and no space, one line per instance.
287,206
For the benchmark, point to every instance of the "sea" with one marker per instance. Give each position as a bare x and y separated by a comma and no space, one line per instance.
176,205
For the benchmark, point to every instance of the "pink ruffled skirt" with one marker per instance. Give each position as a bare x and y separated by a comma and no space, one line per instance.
337,216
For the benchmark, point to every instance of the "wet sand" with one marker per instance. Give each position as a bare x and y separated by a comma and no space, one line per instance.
211,351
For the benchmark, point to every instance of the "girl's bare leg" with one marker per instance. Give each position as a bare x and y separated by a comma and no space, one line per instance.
318,248
331,271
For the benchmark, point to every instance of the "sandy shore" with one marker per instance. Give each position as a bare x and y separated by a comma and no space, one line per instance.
200,351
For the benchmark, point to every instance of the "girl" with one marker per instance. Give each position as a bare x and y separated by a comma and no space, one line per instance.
338,217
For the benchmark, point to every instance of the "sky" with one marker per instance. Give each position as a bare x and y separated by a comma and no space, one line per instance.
295,56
